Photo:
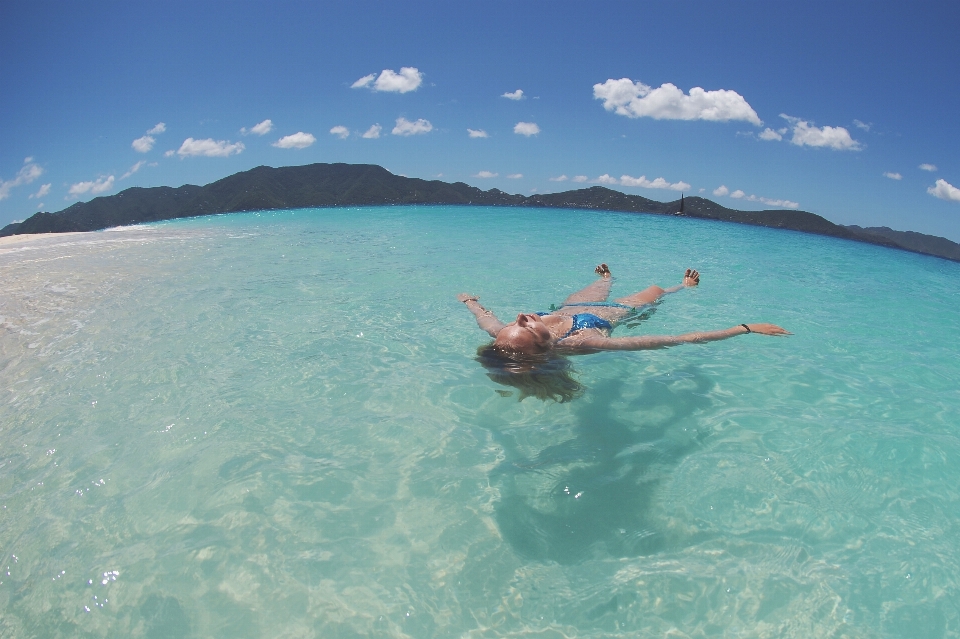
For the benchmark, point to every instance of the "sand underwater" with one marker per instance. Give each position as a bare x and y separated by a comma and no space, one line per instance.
273,425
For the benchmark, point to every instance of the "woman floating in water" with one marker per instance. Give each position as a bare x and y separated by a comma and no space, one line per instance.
521,353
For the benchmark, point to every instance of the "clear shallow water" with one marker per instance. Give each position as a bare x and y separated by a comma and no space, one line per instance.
272,425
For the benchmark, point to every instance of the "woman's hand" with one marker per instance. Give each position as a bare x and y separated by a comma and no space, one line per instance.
466,297
768,329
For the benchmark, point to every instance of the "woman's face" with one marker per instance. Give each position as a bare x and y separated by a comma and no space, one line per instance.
526,335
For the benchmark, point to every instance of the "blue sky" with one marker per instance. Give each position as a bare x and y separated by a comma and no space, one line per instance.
845,109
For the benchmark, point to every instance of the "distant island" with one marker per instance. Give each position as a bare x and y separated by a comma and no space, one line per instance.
338,185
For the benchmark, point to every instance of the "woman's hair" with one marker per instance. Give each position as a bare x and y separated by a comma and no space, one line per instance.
545,377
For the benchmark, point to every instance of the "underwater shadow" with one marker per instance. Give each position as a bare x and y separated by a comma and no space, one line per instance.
590,496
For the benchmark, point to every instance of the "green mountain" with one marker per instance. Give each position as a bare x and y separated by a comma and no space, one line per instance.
332,185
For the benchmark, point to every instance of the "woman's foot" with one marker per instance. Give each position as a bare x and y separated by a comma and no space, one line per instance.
603,271
690,277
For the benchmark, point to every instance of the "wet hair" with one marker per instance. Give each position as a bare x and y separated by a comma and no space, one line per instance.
546,377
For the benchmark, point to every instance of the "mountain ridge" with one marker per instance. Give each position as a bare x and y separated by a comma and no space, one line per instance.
339,185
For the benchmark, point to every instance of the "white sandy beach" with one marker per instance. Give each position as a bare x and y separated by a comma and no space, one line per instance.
26,237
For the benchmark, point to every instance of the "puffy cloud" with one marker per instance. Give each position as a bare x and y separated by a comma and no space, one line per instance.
738,195
100,185
927,167
25,175
486,174
44,190
862,125
341,132
579,178
133,169
779,203
606,179
210,148
169,154
364,81
373,132
409,79
637,100
526,128
298,140
406,127
770,135
477,133
143,144
835,137
562,178
658,183
259,129
945,191
516,95
893,176
515,176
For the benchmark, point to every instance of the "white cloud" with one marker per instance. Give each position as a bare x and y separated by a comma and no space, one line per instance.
44,190
133,169
298,140
259,129
770,135
144,144
486,174
25,175
637,100
862,125
409,79
373,132
477,133
169,154
341,132
516,95
28,159
209,148
738,195
562,178
579,178
779,203
526,128
893,176
835,137
364,81
927,167
606,179
406,127
100,185
945,191
658,183
515,176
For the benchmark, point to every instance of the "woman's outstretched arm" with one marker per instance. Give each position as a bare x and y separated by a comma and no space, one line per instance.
649,342
486,320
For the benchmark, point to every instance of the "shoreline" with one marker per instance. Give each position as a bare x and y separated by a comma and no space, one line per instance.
19,239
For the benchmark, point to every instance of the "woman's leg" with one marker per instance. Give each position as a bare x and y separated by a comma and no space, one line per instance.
653,293
596,292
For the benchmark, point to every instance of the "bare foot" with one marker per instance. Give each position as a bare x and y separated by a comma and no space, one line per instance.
603,271
691,278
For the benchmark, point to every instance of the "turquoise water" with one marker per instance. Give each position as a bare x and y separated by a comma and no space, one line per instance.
272,425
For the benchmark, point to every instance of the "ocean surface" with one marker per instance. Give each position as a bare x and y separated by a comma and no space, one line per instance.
273,425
